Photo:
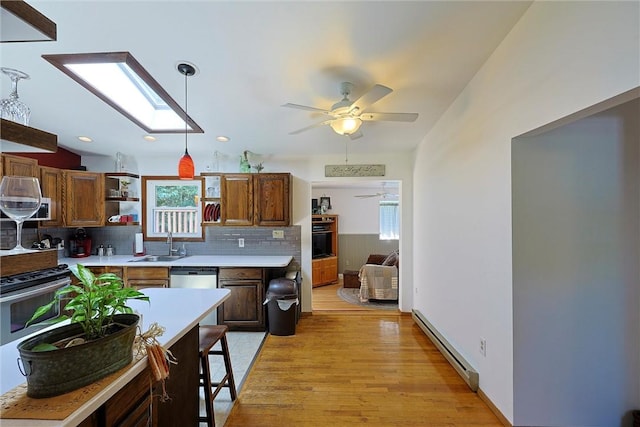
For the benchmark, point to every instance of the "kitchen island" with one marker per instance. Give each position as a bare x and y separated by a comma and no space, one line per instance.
180,322
246,276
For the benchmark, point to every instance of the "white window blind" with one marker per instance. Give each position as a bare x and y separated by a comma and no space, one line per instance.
389,220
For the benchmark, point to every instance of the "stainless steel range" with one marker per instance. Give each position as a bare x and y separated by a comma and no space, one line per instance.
21,294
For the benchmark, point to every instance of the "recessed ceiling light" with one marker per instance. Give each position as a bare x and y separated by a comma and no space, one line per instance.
223,138
85,139
149,138
120,81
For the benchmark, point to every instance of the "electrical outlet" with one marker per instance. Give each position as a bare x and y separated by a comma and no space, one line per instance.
241,243
483,347
277,234
347,262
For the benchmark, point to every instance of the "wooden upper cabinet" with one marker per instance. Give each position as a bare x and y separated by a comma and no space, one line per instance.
236,199
19,166
51,185
83,195
272,199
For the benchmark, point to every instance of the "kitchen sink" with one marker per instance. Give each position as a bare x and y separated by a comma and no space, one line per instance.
158,258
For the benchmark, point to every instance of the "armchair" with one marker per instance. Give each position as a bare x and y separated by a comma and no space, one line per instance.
379,278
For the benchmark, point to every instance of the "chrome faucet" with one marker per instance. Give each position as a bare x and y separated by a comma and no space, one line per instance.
170,242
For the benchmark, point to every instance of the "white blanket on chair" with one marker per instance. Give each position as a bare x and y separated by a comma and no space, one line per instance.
378,282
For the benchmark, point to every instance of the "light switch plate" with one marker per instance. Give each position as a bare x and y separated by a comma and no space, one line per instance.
277,234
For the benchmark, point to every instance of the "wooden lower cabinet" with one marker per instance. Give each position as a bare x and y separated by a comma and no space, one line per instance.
132,405
324,271
137,404
243,310
136,277
97,270
147,277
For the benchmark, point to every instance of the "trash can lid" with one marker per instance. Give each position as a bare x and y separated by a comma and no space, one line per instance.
282,286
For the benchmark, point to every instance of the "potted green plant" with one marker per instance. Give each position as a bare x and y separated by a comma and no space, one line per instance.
97,342
124,187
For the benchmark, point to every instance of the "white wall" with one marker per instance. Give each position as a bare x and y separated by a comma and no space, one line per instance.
304,171
576,276
559,58
357,215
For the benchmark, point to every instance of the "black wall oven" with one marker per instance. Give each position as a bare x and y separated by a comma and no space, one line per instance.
22,294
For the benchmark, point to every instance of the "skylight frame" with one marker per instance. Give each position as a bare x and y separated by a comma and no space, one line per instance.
63,61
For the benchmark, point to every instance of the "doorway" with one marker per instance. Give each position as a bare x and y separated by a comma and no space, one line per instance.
358,206
576,246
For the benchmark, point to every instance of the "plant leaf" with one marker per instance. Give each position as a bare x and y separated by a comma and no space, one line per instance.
43,346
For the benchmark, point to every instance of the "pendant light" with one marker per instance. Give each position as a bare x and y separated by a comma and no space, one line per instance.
186,167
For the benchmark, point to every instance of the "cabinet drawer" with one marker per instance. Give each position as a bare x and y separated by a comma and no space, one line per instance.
240,273
147,273
98,270
148,283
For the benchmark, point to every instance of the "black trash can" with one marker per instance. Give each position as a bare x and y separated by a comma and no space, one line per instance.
282,306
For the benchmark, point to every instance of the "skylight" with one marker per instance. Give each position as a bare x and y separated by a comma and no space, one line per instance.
120,81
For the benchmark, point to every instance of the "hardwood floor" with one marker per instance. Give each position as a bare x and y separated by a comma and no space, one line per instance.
369,367
325,298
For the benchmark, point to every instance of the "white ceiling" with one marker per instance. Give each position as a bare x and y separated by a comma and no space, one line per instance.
255,56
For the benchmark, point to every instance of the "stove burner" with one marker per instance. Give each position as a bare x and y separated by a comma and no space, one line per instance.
26,280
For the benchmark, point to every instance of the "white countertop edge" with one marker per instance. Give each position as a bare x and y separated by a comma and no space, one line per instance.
264,261
167,341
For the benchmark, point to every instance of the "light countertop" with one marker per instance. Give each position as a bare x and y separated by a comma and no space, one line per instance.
162,310
262,261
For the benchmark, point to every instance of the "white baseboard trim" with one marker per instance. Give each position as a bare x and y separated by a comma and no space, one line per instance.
462,367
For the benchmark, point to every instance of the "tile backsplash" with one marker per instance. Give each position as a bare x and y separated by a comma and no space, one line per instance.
218,240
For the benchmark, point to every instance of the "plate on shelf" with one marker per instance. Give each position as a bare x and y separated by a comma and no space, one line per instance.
216,212
208,212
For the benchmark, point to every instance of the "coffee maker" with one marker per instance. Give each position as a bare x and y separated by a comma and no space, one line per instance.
80,244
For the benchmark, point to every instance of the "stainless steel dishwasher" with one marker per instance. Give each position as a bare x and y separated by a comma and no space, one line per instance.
196,278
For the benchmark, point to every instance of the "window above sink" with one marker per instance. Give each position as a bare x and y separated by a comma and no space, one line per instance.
172,205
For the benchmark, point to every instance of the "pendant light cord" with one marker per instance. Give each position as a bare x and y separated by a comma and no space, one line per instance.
186,109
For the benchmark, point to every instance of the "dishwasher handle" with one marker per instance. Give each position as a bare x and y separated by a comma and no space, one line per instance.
194,271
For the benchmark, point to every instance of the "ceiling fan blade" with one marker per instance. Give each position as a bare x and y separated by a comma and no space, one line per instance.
357,134
304,107
389,117
315,125
376,93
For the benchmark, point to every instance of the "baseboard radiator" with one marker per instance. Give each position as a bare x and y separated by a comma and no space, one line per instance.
464,369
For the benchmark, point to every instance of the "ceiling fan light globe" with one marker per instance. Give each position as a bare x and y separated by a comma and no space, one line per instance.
346,125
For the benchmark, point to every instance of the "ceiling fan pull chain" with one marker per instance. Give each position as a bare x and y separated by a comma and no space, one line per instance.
346,152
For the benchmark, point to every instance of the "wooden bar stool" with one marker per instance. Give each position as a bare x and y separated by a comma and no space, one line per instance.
209,336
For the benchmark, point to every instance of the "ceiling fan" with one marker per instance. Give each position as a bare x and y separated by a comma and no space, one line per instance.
384,194
347,115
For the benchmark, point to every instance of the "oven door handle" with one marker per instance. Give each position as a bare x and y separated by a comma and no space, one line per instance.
38,290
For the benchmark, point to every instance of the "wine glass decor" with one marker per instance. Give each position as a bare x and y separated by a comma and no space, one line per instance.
20,198
12,108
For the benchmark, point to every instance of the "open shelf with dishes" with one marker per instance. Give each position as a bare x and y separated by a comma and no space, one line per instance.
211,206
120,187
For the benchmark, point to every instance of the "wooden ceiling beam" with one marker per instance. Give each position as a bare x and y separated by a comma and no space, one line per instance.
17,10
29,137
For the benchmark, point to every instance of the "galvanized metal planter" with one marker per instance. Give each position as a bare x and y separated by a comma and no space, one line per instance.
51,373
